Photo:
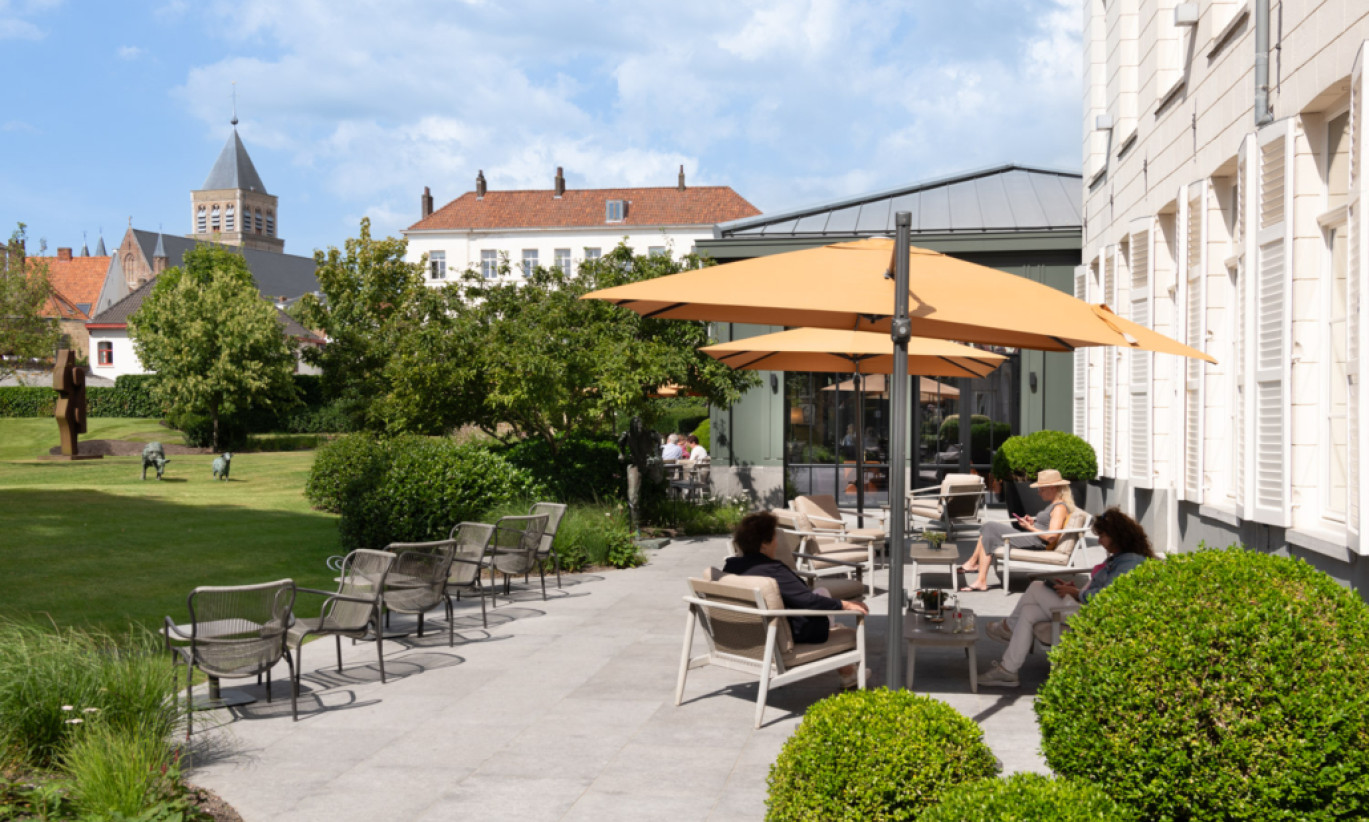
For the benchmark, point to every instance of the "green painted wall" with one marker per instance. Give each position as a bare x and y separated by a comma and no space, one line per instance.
754,427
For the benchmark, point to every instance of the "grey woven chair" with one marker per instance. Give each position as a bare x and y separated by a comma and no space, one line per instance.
418,581
554,512
471,556
234,631
517,542
353,610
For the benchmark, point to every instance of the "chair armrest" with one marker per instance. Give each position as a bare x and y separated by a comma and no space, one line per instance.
866,513
981,492
169,629
767,612
468,561
830,560
1065,571
1061,531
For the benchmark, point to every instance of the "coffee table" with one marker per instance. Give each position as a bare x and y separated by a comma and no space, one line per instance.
922,553
919,632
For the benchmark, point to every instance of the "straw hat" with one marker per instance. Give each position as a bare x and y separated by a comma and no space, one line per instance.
1048,478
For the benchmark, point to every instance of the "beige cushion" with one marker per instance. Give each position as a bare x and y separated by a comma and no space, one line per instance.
842,587
840,639
1043,557
737,590
822,505
876,534
952,482
1065,545
844,556
925,508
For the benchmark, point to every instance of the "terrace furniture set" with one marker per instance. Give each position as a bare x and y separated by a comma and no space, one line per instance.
244,630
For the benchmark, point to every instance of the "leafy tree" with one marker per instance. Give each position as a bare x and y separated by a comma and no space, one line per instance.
217,347
370,298
532,359
24,333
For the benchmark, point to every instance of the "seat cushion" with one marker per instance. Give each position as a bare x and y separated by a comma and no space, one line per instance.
1028,555
842,587
925,509
840,639
876,534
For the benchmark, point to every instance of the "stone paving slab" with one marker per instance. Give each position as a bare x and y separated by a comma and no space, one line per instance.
561,710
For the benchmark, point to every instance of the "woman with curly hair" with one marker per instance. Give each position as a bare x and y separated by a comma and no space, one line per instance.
1127,545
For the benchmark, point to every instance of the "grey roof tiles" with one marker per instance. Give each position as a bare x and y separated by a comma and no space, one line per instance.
234,169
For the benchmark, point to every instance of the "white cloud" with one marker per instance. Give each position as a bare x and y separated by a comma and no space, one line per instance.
19,125
130,52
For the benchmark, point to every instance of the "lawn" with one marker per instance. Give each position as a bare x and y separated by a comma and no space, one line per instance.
89,543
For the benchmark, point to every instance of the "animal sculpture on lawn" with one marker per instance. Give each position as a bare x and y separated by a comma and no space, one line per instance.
155,456
222,464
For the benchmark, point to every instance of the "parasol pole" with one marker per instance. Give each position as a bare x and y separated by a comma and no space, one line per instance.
900,329
860,447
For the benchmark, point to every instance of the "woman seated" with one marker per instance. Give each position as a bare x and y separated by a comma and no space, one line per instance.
756,538
1127,546
1055,490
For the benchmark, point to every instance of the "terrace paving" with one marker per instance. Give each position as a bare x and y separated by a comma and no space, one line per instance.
562,710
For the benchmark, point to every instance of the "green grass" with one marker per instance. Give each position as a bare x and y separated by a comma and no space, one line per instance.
89,544
30,437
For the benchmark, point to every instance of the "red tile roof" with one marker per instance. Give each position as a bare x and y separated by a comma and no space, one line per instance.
76,282
581,208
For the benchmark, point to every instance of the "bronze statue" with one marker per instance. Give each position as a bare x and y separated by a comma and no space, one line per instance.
70,383
637,447
154,456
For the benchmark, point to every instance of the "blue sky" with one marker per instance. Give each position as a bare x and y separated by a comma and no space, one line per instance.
118,110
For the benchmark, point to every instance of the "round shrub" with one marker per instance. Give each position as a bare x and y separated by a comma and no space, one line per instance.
1024,457
1026,797
1216,685
426,487
875,755
704,432
342,462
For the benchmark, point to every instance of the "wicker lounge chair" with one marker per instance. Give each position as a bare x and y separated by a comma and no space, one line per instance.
418,581
747,628
234,631
517,543
471,557
353,610
554,511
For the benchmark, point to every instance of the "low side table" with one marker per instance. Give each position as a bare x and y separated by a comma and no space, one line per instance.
921,553
919,632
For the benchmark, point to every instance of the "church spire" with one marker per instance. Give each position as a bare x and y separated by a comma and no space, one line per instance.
233,206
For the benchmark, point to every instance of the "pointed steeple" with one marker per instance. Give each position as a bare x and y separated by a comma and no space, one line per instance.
234,168
100,246
85,247
159,259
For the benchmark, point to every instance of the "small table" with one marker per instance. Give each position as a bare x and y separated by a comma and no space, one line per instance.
922,553
918,631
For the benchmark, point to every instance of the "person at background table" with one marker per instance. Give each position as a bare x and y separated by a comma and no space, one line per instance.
1127,545
756,537
672,450
696,451
1055,490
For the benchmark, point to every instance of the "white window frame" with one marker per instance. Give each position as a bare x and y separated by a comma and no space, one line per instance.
562,258
593,252
615,211
529,262
1141,373
1193,205
104,352
437,265
489,264
1357,261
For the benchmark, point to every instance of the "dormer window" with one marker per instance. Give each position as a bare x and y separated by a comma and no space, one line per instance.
615,211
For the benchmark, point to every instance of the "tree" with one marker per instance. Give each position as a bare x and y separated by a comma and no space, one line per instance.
368,292
217,347
25,335
532,359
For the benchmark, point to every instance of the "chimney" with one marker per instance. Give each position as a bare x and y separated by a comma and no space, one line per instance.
426,203
64,254
560,182
682,185
480,185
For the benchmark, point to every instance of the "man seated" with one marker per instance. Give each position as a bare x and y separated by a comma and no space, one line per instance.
672,450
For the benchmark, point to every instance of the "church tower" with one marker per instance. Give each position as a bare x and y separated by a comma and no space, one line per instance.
232,207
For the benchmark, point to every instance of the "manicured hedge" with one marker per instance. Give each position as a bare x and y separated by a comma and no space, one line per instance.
705,434
1024,457
875,755
1216,685
583,467
342,463
27,401
1027,797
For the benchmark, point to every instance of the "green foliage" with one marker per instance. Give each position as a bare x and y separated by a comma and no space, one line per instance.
1216,685
1024,457
1026,797
985,436
25,335
698,519
675,415
346,468
42,669
704,432
27,401
593,535
370,296
423,487
330,418
217,347
573,467
875,755
118,770
197,430
131,396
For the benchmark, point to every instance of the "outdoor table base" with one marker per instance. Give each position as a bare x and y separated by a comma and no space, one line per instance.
919,632
921,553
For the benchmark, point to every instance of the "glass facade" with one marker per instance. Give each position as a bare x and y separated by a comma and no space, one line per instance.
830,419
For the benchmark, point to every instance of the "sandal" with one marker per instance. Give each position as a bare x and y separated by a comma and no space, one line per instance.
972,588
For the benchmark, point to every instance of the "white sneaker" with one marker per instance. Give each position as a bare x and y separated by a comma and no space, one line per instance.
999,631
998,675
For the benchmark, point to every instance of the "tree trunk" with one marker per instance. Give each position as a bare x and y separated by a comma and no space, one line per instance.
214,418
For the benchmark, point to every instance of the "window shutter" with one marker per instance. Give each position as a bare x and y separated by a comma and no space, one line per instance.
1110,357
1081,364
1273,231
1245,175
1195,307
1141,414
1355,262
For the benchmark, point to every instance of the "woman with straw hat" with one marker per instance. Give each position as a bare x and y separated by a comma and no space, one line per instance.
1055,490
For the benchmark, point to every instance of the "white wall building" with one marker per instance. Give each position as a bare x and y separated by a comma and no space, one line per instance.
482,229
1224,146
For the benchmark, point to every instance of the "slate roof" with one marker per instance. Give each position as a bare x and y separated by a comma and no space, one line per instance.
234,169
585,208
119,313
998,199
276,275
77,282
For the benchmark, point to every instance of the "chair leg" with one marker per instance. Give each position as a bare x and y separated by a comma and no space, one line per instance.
684,655
763,691
294,687
420,625
189,699
380,652
268,684
451,623
557,558
338,637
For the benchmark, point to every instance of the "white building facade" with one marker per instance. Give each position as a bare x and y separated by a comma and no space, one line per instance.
1224,147
513,232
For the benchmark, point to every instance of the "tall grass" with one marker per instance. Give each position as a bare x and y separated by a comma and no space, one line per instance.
589,534
127,679
118,770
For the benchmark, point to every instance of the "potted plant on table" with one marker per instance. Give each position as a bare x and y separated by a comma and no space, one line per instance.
1020,459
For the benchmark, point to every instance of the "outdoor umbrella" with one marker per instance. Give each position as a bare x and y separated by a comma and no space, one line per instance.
879,285
929,390
858,352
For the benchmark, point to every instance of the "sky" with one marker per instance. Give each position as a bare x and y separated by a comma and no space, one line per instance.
115,111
